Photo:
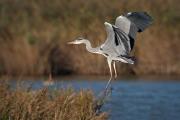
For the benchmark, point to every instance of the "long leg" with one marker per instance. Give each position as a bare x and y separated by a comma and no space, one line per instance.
114,65
109,64
106,92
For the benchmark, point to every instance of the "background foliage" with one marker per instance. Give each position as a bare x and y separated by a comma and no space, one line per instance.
34,36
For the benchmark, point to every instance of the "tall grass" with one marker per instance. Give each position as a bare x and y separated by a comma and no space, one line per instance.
64,104
33,36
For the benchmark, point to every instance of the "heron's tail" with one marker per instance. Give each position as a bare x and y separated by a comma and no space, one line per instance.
129,59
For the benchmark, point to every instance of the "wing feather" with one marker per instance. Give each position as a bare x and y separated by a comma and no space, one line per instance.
122,39
141,19
133,22
117,43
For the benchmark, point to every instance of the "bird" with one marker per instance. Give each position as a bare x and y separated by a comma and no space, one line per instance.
120,39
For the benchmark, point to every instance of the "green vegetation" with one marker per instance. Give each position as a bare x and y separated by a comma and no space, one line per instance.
34,33
44,104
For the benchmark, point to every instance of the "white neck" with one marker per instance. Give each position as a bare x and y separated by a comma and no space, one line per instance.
89,47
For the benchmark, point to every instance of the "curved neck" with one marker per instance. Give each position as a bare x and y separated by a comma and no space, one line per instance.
89,47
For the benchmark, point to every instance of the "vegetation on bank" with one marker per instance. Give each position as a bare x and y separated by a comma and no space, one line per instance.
34,33
44,104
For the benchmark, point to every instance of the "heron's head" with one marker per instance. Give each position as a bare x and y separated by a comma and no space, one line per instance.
108,26
77,41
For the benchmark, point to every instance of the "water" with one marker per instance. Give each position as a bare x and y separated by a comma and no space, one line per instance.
132,100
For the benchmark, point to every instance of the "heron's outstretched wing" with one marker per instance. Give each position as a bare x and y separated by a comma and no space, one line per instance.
133,22
117,43
141,19
121,40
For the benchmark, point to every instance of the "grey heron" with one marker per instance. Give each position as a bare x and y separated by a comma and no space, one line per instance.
120,39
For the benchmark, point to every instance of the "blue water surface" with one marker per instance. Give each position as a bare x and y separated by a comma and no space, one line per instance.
130,100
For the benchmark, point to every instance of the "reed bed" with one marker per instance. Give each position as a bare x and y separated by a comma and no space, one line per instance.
44,104
34,36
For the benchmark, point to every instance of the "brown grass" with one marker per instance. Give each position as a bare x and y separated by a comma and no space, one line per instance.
44,104
33,36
